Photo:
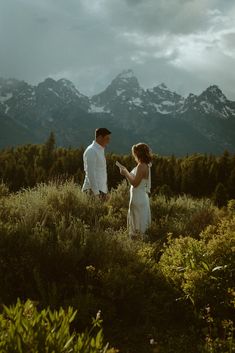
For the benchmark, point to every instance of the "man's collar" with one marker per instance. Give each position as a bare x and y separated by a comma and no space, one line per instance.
97,145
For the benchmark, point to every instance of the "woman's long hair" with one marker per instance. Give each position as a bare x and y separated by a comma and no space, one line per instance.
142,153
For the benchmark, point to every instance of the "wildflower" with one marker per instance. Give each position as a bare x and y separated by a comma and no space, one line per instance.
90,268
98,315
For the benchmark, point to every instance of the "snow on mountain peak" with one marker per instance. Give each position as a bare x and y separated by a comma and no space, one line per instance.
215,92
5,97
126,74
48,82
70,86
163,86
125,81
61,88
66,83
214,89
97,109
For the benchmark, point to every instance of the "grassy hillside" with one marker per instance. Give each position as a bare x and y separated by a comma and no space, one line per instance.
172,291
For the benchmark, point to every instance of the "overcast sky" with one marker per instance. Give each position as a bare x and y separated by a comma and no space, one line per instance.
188,45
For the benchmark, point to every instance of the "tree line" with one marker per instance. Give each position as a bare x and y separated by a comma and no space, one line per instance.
198,175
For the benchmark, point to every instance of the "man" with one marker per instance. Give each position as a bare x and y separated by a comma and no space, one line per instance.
95,165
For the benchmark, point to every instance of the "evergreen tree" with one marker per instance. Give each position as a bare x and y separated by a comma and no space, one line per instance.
166,191
224,168
47,153
231,184
20,178
220,196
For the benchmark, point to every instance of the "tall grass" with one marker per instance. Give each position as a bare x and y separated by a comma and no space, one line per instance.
60,247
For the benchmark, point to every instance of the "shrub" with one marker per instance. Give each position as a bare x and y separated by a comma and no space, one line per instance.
203,269
44,204
204,272
53,251
4,190
60,247
24,329
180,215
117,206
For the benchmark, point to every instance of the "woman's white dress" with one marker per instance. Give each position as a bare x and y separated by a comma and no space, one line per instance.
139,214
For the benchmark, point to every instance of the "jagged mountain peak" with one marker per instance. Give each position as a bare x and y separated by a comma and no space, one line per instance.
162,90
191,98
214,89
62,82
15,93
157,114
124,89
62,88
126,74
211,101
125,79
69,86
51,82
13,85
66,83
162,94
213,93
47,83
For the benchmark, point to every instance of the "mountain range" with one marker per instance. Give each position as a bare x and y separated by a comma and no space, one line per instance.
167,121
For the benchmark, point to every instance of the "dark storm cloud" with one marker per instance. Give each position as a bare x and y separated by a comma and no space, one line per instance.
189,44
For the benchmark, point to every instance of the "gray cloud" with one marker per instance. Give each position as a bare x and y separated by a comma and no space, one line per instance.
188,44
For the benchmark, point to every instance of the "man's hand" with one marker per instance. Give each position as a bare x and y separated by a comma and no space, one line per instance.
103,197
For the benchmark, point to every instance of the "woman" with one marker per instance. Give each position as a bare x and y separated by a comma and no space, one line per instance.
139,215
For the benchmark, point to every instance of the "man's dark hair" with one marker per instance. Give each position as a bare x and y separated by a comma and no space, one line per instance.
102,131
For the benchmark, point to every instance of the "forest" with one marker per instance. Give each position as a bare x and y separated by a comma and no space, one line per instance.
73,281
198,175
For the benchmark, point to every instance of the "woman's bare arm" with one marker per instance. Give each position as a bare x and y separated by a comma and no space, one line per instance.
135,179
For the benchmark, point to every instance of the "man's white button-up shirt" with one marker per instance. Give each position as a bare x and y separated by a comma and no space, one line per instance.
95,169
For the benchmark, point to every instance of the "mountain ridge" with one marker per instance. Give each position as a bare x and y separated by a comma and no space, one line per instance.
157,115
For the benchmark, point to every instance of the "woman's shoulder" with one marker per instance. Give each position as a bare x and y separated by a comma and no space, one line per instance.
142,167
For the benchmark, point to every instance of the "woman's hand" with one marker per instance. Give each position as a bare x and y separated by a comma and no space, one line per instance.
123,171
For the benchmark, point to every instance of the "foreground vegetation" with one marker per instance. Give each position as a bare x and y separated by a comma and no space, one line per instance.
24,329
170,292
